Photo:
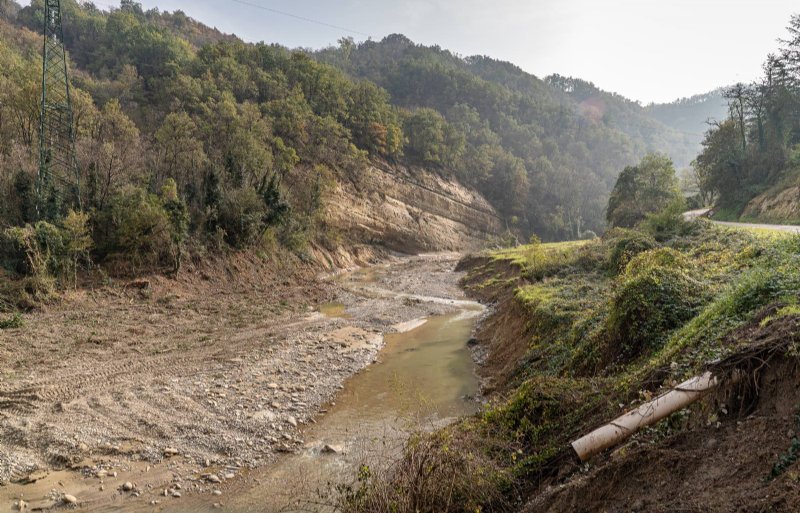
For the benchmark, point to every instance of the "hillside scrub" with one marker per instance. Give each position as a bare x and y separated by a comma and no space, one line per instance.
600,335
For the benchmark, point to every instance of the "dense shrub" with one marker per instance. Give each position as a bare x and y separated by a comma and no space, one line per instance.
138,232
669,222
442,472
241,216
626,244
647,306
667,258
43,255
32,252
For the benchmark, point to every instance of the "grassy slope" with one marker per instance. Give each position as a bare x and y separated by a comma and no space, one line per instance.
577,365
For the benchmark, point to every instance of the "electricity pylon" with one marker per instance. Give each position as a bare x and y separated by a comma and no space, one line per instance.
58,182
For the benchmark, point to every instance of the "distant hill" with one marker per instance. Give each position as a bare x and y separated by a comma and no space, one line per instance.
690,115
630,117
545,152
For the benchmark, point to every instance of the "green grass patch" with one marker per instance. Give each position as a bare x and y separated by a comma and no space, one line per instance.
13,322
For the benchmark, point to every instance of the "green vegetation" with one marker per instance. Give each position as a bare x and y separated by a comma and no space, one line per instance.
250,138
758,145
788,458
691,115
544,152
608,322
46,255
181,133
646,188
13,322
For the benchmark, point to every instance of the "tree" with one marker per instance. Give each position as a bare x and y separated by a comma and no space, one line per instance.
179,153
647,187
700,178
112,154
722,161
431,140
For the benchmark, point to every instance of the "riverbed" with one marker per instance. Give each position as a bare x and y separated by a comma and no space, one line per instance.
409,317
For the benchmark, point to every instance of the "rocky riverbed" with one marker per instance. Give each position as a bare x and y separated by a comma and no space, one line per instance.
157,393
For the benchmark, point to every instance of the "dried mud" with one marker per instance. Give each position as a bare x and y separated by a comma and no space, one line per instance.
166,383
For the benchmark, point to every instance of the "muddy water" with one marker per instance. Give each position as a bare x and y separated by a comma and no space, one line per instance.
334,309
423,379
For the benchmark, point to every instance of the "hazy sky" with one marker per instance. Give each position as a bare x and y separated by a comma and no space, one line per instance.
647,50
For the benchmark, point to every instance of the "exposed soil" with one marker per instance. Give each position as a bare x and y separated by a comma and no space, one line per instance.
160,381
504,333
722,464
723,459
718,458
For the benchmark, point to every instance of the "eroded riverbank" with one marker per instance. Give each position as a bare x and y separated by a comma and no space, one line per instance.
215,410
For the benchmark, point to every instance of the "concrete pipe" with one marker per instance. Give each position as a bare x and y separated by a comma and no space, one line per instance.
645,415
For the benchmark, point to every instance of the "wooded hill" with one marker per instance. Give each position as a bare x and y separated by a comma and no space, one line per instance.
545,152
693,115
253,135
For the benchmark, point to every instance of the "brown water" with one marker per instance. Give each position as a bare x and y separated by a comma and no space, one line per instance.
424,379
334,309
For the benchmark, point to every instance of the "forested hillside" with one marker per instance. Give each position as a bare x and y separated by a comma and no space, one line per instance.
545,152
692,115
183,131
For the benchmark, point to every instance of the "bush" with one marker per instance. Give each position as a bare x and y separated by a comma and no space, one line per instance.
137,231
241,216
13,322
648,304
626,244
667,258
669,222
442,472
37,254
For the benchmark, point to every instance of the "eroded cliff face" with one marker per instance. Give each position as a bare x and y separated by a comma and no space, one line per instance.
776,207
412,211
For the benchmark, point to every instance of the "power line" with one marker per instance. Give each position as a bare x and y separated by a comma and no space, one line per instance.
302,18
265,8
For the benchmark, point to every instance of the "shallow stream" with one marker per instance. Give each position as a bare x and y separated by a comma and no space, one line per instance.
424,378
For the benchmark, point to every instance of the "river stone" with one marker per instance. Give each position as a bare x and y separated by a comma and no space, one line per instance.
265,415
127,486
333,449
292,421
69,499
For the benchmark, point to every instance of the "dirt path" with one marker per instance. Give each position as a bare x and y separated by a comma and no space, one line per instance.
159,386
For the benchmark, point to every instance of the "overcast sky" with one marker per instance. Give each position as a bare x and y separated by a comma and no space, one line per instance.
647,50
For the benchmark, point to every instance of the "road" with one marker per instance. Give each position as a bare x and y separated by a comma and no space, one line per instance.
694,214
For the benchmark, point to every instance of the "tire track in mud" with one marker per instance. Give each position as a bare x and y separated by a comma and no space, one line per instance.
204,385
26,399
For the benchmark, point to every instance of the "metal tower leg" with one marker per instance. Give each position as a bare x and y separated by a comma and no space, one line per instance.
58,182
